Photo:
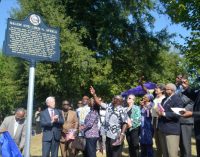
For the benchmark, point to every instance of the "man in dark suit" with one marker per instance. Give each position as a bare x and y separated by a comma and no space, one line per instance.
51,122
169,122
186,123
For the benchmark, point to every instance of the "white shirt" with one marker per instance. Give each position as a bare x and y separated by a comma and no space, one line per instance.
156,101
51,112
15,127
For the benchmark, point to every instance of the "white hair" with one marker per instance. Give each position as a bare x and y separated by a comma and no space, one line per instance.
49,99
20,110
171,86
132,96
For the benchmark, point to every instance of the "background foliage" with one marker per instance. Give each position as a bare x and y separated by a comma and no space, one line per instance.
105,43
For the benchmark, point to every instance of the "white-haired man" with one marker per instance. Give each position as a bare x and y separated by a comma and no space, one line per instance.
51,120
169,123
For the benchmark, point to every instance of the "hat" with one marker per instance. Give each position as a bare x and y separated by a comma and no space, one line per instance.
160,86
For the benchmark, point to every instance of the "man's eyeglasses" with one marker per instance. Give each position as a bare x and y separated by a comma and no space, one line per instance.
65,104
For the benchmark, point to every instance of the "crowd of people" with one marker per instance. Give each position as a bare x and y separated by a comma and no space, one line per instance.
99,126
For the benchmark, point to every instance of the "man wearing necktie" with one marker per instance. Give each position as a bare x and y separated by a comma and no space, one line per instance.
169,123
51,122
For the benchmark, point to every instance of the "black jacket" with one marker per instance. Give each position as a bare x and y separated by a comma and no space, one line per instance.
170,123
188,104
195,96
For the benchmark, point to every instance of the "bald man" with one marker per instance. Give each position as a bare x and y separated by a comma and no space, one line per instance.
15,125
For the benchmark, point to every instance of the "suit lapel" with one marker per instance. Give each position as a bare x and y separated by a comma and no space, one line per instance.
47,114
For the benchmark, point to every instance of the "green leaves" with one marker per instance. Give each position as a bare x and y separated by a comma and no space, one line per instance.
103,43
10,92
187,13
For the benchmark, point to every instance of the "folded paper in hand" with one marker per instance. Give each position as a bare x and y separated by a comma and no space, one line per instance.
177,110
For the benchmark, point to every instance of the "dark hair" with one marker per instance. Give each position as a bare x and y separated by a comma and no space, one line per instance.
67,103
96,107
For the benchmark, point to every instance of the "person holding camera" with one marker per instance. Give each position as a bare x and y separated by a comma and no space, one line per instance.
37,121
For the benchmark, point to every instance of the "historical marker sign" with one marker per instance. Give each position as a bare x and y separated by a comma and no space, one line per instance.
31,39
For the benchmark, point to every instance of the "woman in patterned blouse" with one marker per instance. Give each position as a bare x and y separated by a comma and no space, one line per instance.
91,130
132,134
115,124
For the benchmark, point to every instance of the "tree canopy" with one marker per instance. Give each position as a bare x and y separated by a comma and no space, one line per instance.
104,43
187,13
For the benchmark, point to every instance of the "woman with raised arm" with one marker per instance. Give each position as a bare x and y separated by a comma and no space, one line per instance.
115,124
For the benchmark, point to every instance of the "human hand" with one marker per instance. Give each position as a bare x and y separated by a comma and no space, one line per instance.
92,90
160,113
3,130
81,127
101,149
54,118
186,114
122,137
185,83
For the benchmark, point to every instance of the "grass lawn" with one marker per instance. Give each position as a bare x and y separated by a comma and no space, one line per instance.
36,148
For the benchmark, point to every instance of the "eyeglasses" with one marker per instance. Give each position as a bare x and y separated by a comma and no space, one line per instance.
179,78
65,104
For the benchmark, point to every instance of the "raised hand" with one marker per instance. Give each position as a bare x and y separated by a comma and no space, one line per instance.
92,90
185,83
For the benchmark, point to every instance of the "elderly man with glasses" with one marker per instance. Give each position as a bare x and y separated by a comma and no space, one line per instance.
169,122
69,129
15,125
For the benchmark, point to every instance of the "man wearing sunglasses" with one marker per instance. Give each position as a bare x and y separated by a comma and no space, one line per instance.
15,125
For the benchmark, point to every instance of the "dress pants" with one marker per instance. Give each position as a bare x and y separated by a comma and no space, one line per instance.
38,127
113,151
66,149
146,150
50,146
197,136
185,140
132,138
90,149
156,137
170,144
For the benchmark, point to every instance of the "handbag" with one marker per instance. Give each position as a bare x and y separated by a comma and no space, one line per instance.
79,143
70,135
